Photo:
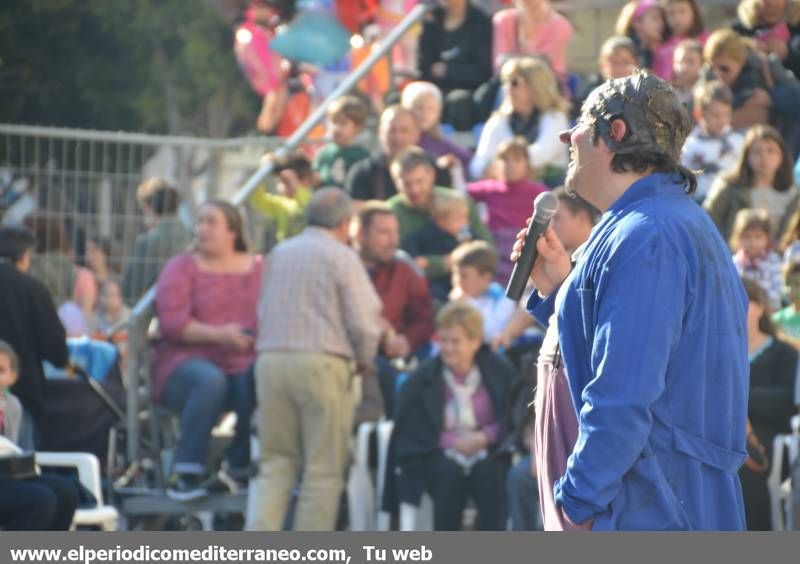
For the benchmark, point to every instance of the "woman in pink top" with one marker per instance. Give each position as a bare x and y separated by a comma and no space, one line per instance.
532,27
206,303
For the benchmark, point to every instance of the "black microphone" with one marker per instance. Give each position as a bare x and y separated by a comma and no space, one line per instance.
544,207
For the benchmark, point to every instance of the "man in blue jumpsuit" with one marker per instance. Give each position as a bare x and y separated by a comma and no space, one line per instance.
651,328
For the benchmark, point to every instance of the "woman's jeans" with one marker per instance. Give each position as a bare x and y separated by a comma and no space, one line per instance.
200,392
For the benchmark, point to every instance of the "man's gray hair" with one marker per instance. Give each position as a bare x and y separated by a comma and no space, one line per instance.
329,207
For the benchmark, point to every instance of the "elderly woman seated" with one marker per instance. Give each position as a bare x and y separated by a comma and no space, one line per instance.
451,422
425,101
206,303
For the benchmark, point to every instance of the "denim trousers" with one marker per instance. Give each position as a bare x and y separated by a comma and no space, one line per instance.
200,392
523,497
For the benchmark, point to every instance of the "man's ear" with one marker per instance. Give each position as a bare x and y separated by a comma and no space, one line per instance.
618,130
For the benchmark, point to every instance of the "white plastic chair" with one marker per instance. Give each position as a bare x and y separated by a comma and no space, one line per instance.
360,490
417,518
780,492
384,433
88,467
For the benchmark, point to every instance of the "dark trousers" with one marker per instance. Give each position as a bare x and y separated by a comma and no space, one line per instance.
44,503
451,487
459,110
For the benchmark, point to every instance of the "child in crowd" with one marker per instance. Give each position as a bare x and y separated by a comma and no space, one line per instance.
97,252
448,227
644,22
618,57
45,502
10,406
712,146
111,310
296,181
788,318
346,118
761,179
760,84
507,199
789,244
684,21
687,64
753,255
574,220
474,269
775,27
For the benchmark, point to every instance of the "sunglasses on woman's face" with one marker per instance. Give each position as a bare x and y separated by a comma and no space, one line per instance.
722,69
514,82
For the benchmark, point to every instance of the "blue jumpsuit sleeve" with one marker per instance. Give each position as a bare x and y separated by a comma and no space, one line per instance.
633,317
542,308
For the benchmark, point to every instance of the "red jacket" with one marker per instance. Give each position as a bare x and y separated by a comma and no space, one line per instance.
406,300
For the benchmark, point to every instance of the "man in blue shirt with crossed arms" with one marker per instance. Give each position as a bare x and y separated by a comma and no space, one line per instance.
651,331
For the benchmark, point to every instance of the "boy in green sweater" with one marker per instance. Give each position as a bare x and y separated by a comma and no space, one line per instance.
346,118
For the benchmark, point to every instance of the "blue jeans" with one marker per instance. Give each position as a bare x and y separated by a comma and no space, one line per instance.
523,497
200,392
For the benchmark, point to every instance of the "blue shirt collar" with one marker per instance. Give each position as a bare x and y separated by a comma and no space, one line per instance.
650,185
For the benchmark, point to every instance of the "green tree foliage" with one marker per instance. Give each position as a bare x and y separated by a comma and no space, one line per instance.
147,65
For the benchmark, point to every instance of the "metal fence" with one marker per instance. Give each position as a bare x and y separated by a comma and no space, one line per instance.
74,187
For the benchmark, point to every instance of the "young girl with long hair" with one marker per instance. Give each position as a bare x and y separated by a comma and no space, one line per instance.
761,179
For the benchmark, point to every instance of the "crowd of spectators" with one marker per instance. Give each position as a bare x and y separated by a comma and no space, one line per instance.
373,246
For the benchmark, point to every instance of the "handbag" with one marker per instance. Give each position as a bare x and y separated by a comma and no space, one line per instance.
18,466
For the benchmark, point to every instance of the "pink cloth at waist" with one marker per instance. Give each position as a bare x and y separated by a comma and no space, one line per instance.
554,437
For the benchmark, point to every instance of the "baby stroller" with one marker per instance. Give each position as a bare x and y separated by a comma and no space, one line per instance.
84,402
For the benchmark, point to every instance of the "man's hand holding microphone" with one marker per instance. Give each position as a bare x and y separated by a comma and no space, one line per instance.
538,252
